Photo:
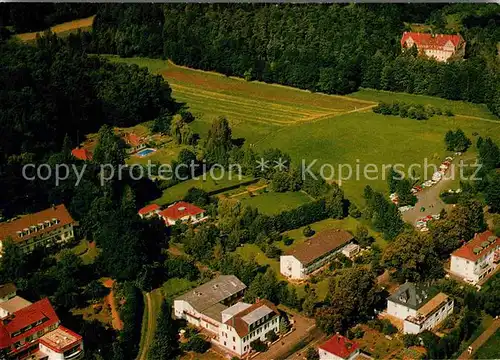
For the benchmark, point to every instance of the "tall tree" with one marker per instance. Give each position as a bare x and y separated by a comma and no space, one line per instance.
218,143
165,344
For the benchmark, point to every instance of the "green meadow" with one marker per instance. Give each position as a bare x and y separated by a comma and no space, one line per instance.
319,128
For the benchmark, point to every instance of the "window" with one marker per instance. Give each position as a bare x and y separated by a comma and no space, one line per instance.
234,347
225,343
234,339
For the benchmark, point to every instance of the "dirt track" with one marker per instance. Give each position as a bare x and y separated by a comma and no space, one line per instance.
67,26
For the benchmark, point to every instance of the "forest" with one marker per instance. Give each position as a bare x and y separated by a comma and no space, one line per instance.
328,48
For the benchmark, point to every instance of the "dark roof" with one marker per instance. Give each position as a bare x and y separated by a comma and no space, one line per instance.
7,289
321,244
213,292
412,295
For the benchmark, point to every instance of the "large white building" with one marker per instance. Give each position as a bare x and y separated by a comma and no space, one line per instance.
314,253
419,310
476,259
440,47
215,307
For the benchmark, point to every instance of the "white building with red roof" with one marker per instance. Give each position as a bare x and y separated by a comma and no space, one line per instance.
476,259
339,347
438,46
33,331
184,212
149,211
134,142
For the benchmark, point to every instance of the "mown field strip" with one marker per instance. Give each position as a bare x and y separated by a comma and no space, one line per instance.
311,110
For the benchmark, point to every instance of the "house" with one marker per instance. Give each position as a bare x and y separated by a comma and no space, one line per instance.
216,307
184,212
339,347
351,250
45,228
149,211
314,253
419,310
33,331
438,46
134,142
82,154
476,259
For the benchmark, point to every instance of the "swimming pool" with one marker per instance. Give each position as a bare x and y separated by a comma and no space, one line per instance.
145,152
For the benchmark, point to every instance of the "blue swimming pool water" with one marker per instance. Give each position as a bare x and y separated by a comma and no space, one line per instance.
145,152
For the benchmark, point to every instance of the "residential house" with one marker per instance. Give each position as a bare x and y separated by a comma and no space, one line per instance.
476,259
82,154
7,291
134,142
437,46
45,228
216,307
339,347
149,211
314,253
184,212
33,331
419,310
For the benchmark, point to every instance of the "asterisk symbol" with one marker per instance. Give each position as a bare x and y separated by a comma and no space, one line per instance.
280,164
262,164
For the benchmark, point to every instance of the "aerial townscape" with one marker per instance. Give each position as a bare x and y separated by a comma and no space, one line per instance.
254,181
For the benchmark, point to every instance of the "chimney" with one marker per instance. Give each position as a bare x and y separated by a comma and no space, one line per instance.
53,206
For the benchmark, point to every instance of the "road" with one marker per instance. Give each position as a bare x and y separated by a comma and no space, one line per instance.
481,340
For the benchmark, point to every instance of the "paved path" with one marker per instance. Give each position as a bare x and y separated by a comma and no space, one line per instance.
481,340
149,331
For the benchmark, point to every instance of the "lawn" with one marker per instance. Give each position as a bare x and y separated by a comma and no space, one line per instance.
491,349
177,286
207,183
328,129
63,29
272,203
377,345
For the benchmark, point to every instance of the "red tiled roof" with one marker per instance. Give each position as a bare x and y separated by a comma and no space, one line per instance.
340,346
467,250
132,139
241,327
82,154
428,41
148,208
181,209
40,311
61,339
10,228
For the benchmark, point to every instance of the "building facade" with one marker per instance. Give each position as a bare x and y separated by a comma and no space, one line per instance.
33,331
419,311
437,46
314,253
45,228
476,259
216,307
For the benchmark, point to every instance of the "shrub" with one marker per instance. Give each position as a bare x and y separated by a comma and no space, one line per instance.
271,336
258,345
410,340
196,344
308,232
287,240
388,328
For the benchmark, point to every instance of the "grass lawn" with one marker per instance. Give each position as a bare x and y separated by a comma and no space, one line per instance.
491,349
327,129
249,251
377,345
349,224
84,250
176,286
209,184
272,203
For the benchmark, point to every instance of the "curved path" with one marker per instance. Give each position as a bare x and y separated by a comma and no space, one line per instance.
481,340
149,330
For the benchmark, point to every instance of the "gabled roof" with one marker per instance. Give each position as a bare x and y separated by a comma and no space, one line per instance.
340,346
132,139
40,311
430,41
82,154
181,209
411,295
478,246
213,292
10,228
321,244
149,208
242,320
